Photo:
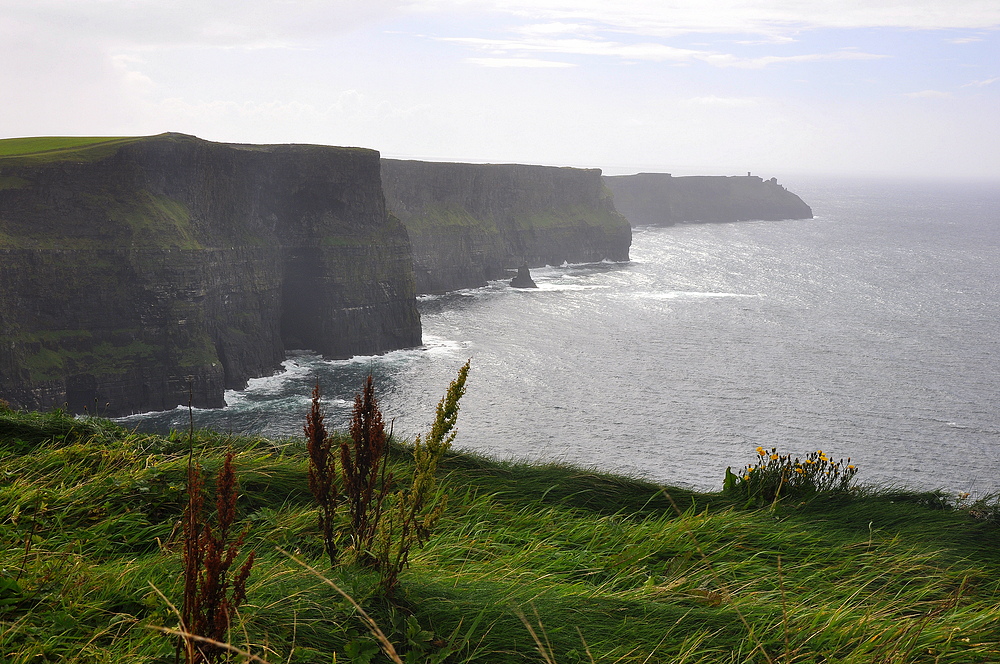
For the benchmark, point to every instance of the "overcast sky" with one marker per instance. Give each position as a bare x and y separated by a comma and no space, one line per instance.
777,87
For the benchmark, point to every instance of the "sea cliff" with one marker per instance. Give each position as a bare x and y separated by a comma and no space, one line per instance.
470,223
660,199
136,271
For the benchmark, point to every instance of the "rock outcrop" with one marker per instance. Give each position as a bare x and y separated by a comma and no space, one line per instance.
523,278
470,223
660,199
134,269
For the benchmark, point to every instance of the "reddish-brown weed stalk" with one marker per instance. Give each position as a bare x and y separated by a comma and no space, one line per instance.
322,474
361,460
211,593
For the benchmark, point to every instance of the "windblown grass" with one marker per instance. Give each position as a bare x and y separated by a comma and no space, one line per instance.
602,568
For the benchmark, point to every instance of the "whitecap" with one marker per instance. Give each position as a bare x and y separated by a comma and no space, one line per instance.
686,295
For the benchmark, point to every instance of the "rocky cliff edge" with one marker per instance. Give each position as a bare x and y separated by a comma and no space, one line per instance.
660,199
134,270
470,223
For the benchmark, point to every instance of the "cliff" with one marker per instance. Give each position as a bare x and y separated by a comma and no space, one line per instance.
660,199
469,223
131,268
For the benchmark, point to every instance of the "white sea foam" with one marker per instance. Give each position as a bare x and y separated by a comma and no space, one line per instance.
435,345
686,295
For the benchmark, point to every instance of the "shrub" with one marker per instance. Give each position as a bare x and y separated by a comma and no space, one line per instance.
775,475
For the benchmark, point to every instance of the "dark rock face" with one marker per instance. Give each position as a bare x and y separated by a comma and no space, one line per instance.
523,278
470,223
131,270
660,199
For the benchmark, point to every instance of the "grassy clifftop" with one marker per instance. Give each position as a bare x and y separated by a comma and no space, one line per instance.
601,568
55,148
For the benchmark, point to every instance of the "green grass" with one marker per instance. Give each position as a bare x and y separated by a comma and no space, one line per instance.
42,149
619,568
35,144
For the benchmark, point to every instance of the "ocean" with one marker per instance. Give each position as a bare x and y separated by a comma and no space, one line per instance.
871,331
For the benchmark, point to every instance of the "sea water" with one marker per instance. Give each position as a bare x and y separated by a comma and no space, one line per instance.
870,332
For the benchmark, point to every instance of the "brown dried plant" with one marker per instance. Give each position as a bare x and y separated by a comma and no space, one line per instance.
322,474
211,592
363,468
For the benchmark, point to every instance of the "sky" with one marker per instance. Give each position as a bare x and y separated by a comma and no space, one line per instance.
907,88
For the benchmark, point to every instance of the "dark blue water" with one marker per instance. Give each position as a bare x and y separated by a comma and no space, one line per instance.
871,331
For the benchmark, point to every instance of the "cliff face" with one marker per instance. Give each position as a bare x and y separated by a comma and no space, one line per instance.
132,268
660,199
469,223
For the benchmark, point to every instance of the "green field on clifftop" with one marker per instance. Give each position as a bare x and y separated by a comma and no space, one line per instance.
600,567
55,148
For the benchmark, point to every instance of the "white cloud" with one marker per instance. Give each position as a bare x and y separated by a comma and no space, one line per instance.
160,23
671,17
929,94
965,40
555,28
770,41
596,47
758,63
517,62
647,51
730,102
980,84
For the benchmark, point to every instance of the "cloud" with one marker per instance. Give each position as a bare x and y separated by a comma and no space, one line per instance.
965,40
726,102
929,94
166,23
517,62
646,51
556,28
758,63
980,84
672,17
576,46
769,41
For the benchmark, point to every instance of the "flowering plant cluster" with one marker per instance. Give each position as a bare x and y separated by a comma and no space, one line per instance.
778,475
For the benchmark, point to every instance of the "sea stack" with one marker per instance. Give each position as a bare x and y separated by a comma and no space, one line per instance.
523,278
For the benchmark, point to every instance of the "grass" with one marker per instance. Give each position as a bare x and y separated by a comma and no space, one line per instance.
599,567
35,144
44,149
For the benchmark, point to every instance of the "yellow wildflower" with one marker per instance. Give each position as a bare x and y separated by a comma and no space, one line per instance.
774,457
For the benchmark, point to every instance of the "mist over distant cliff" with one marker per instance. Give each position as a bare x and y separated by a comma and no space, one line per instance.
133,268
470,223
660,199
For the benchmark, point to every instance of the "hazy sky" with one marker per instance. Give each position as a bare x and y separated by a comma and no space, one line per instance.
903,87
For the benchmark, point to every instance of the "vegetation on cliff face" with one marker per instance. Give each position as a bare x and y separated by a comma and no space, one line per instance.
602,568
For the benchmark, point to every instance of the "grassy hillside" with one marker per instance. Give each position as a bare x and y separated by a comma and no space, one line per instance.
599,567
